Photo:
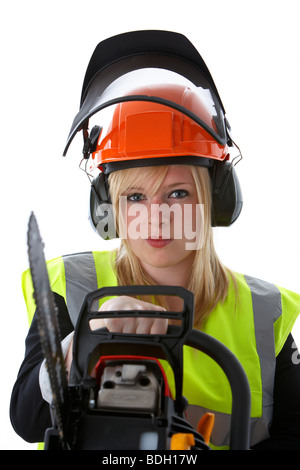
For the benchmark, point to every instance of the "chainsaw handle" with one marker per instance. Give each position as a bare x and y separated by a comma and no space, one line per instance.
92,344
88,344
241,398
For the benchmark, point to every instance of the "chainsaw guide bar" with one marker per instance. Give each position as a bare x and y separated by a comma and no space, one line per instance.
47,321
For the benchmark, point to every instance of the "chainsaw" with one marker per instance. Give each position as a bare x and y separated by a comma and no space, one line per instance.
117,396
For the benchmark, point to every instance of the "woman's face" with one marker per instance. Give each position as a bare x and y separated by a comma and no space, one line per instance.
163,229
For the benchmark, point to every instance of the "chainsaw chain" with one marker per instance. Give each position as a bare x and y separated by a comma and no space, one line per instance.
47,322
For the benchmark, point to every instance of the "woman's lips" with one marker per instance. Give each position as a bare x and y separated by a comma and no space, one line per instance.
158,242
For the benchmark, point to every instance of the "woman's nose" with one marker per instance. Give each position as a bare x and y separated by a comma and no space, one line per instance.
155,215
158,213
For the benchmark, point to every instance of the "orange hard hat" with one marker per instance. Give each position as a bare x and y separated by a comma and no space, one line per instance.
142,130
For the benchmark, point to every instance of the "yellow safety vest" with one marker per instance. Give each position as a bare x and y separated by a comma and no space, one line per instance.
253,322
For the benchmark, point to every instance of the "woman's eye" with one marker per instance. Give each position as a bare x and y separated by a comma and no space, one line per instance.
136,197
179,193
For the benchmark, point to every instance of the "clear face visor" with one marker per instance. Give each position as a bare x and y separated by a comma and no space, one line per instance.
152,77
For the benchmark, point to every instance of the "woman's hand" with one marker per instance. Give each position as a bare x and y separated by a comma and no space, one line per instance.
138,325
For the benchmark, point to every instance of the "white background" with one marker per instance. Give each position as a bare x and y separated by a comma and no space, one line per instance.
252,51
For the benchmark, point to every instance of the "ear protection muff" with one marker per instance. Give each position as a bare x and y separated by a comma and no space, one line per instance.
101,212
227,200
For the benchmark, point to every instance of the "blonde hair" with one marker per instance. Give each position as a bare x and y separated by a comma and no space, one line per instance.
209,278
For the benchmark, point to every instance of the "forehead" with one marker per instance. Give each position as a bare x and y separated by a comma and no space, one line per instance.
178,173
150,179
174,175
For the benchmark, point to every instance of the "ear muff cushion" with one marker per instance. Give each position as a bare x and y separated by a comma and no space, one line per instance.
227,198
101,213
100,185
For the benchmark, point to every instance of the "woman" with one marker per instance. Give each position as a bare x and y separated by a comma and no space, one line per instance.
165,156
158,256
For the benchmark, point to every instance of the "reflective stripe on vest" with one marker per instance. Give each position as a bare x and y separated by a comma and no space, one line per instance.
265,345
81,278
84,273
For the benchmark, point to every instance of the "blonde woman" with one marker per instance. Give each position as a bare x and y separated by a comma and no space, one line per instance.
164,178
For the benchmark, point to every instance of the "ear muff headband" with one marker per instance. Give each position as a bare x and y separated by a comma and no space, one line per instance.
227,200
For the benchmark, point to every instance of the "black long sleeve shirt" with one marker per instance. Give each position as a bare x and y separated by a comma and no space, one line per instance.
30,415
